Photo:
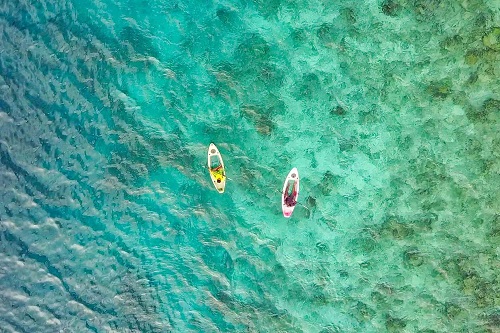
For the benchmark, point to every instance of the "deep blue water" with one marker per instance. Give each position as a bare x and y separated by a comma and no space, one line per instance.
389,109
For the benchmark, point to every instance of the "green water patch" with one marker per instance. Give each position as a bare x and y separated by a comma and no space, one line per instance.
141,43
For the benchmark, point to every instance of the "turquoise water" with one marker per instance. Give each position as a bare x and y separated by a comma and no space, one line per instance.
389,109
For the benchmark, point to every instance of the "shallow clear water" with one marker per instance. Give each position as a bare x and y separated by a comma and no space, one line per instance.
389,109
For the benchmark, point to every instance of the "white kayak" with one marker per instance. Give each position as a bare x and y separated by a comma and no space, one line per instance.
216,168
290,193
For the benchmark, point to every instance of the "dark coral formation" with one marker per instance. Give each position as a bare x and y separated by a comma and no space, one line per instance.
391,7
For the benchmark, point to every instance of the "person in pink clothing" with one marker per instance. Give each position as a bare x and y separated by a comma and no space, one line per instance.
290,195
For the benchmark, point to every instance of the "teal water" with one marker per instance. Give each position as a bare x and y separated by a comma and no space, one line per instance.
389,109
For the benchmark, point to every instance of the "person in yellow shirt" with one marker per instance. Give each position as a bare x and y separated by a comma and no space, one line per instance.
218,173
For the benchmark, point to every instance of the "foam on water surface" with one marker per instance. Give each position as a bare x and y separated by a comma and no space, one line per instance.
389,110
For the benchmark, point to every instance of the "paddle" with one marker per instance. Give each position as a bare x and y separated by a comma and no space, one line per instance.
206,167
296,202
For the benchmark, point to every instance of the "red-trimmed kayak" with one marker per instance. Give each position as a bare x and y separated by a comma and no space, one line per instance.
290,193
